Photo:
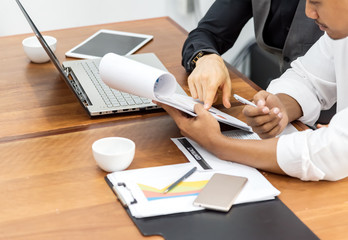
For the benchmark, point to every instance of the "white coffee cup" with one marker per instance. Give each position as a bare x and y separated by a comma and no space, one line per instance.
113,153
35,51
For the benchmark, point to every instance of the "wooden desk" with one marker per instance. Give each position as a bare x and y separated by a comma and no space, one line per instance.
50,185
34,100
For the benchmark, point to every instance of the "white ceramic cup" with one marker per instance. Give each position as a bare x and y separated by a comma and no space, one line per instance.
113,153
35,51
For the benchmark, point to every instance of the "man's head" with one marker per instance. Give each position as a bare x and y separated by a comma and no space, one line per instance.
330,15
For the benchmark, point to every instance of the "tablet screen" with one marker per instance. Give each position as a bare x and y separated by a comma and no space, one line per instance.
106,41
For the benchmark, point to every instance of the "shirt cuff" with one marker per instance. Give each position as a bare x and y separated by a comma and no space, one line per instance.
288,84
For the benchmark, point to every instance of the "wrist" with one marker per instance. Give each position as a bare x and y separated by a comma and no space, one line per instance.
291,107
210,59
198,56
213,142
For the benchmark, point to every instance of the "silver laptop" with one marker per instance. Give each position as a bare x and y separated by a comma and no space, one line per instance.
82,76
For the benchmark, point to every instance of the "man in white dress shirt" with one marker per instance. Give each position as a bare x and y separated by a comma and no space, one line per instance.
315,82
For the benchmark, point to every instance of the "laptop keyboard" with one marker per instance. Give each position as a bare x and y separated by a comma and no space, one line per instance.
111,97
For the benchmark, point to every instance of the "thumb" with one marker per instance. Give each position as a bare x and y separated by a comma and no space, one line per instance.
260,98
199,109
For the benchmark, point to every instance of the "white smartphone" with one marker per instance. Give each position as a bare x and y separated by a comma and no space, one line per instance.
220,192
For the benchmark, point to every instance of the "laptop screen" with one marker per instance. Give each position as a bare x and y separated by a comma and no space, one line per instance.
42,41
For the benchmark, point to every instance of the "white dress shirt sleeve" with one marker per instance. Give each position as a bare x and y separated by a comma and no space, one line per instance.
316,155
321,154
311,81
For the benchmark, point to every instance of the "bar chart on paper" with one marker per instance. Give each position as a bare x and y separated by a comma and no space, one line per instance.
184,189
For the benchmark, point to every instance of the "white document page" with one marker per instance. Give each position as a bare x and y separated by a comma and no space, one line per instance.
126,75
203,159
136,78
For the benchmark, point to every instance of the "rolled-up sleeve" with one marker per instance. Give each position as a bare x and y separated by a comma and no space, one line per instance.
321,154
311,81
316,155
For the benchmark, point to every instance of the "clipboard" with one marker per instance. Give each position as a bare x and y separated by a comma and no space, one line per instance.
144,189
270,219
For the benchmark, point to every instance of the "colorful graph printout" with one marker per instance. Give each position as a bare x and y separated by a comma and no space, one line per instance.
184,189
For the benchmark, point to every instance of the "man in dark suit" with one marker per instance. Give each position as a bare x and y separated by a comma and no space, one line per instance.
281,28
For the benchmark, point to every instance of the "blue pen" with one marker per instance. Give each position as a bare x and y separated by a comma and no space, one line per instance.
189,173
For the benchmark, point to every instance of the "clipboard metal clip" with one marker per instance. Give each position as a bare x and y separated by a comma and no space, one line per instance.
120,197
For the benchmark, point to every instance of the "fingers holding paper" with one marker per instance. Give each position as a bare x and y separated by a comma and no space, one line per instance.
203,128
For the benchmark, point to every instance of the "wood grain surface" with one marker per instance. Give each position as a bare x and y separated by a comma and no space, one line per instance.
50,186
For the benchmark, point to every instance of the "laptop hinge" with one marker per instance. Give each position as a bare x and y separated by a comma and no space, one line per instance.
77,88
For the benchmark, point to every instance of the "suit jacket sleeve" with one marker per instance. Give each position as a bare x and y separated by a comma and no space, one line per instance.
218,30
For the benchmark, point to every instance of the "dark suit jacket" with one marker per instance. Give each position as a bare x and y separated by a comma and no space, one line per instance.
220,27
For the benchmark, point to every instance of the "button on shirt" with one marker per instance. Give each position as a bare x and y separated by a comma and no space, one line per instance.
317,80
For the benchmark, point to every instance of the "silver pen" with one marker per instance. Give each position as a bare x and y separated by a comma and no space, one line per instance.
243,100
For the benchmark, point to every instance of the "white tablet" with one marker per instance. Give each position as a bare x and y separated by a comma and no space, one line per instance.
106,41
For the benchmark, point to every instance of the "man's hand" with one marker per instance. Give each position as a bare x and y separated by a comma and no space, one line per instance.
209,75
203,128
269,118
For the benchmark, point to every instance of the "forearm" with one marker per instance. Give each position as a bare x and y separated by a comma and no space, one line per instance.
261,154
205,130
